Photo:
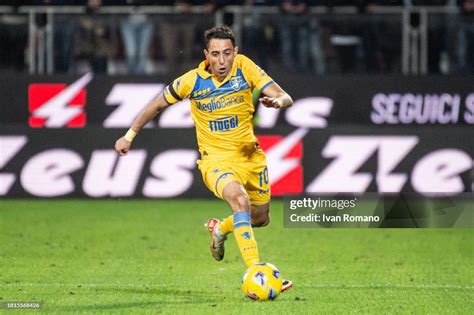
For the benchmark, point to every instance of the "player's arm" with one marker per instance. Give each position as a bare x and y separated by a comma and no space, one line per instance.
157,105
276,97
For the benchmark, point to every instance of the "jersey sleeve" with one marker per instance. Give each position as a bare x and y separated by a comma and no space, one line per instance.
180,88
255,75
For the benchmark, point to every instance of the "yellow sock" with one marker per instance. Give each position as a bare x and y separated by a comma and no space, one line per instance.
227,225
243,234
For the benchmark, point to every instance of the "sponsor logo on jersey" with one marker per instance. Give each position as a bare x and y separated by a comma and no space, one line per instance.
201,92
224,123
220,103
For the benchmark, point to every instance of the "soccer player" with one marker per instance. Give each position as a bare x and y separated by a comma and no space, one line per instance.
232,164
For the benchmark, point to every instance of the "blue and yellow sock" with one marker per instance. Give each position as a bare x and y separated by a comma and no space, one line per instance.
227,225
243,234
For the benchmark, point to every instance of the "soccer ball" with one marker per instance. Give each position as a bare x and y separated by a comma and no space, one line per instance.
262,282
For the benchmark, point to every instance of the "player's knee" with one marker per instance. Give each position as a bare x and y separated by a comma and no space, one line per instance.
241,203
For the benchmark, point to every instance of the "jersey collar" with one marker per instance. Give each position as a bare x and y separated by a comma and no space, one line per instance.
205,75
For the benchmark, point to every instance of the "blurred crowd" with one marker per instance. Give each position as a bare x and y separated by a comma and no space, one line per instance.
293,40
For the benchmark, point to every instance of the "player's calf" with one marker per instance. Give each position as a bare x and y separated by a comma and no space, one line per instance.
260,215
260,220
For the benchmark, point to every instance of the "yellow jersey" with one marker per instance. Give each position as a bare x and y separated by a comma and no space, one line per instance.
222,111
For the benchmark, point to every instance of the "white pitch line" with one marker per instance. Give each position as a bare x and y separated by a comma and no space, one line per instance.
76,285
318,286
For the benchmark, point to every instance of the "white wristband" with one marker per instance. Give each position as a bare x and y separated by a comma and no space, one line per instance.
130,135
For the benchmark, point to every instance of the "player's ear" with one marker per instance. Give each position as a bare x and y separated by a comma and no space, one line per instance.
236,50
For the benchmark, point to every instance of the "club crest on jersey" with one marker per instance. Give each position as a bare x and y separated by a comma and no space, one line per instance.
236,83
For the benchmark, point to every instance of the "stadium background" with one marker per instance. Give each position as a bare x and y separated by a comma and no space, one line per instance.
384,102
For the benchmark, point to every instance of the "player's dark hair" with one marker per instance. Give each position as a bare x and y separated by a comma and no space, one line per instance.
219,32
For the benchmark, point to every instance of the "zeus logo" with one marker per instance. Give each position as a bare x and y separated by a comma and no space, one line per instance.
9,147
57,105
131,99
438,171
351,152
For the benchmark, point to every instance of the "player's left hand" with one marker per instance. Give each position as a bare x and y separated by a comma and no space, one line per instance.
271,102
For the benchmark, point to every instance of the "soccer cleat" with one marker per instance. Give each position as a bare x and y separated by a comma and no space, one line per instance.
217,242
287,284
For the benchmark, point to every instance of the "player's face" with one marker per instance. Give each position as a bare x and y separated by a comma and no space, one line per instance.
220,54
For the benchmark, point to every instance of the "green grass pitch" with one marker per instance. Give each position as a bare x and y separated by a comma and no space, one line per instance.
149,257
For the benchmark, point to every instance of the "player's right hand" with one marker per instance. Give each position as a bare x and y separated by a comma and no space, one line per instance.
122,146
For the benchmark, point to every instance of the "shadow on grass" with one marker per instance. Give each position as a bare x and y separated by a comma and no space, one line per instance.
158,298
158,291
123,306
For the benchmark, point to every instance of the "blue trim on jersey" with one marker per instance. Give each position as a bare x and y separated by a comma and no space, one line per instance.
219,178
266,85
241,217
226,88
200,85
240,73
